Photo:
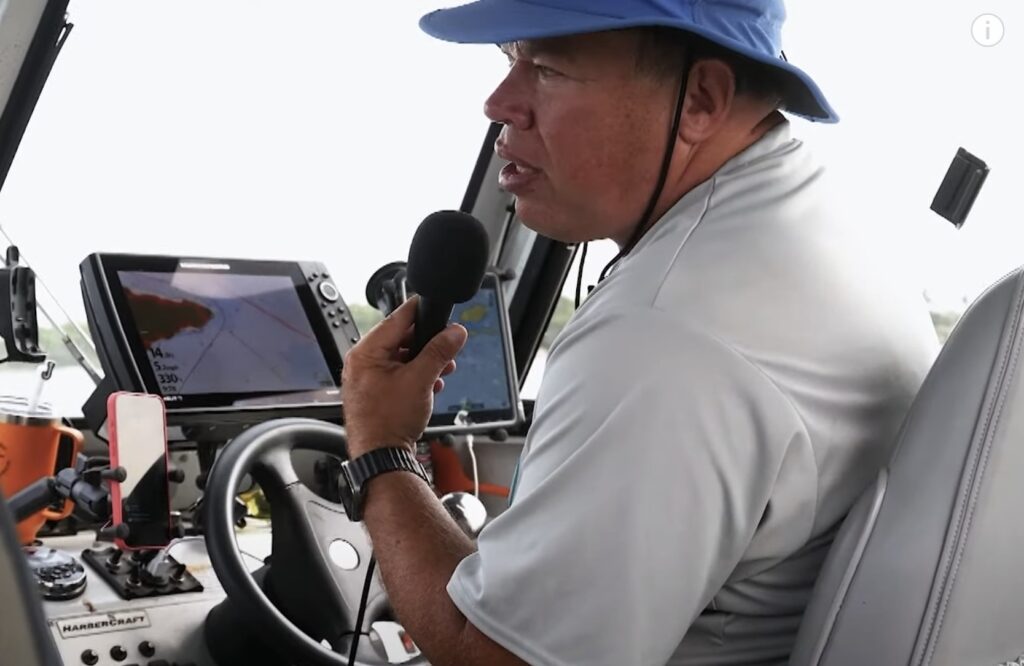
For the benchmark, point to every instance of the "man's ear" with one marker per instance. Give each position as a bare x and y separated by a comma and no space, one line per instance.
710,92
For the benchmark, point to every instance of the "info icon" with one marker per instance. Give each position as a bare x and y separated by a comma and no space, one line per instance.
988,30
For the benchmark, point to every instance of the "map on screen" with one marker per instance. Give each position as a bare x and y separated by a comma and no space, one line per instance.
480,381
209,333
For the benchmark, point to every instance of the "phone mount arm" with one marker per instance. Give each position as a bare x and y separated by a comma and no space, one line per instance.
33,498
82,484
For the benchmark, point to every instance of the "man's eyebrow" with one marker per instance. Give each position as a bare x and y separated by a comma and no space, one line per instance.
537,47
513,49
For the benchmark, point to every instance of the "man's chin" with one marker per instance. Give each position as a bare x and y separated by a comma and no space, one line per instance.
547,224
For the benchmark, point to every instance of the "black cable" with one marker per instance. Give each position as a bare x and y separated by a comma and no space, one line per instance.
642,226
357,632
579,276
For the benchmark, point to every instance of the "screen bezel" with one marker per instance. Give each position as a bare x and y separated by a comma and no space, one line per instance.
489,420
206,402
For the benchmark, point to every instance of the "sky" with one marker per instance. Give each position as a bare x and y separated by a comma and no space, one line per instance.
328,129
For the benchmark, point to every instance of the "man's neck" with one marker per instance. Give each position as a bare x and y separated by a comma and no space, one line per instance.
701,164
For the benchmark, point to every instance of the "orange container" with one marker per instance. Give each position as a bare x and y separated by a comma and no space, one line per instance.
29,443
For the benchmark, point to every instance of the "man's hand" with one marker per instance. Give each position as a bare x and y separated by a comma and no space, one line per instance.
388,401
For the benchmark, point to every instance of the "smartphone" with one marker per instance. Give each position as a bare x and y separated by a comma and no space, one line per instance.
137,425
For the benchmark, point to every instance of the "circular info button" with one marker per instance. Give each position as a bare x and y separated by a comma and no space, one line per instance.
988,30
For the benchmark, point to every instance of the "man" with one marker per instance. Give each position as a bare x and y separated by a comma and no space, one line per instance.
716,405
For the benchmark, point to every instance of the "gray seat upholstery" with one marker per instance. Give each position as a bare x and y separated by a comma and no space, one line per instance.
24,638
928,568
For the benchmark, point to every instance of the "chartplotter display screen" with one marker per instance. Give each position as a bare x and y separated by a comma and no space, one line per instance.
249,334
483,384
226,333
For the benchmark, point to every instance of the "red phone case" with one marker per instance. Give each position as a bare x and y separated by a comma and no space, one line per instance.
115,487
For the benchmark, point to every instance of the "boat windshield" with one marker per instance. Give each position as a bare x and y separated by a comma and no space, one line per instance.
324,130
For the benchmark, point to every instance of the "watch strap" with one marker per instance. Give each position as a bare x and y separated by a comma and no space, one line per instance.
379,461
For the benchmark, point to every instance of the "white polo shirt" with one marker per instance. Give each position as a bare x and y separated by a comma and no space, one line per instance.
705,421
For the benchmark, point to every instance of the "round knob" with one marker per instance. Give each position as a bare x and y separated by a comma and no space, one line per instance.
468,511
118,653
147,649
90,658
329,292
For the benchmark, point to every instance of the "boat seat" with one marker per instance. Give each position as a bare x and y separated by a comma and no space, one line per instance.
928,567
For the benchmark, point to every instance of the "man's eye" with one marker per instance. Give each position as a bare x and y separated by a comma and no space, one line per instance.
546,72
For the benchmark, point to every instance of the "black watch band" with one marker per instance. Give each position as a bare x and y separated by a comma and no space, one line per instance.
355,474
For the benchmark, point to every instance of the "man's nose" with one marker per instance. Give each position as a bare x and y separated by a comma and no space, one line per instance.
508,104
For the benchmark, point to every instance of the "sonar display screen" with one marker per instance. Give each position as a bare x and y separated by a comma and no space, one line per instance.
208,333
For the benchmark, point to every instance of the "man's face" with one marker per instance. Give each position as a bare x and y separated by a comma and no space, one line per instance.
584,132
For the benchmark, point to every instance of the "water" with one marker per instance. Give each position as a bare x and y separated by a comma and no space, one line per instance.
67,390
69,387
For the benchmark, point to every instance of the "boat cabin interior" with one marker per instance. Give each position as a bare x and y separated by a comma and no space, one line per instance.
212,203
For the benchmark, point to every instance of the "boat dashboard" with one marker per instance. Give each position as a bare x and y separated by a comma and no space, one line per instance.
228,541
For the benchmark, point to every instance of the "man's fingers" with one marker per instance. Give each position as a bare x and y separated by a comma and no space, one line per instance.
438,386
407,339
440,352
403,357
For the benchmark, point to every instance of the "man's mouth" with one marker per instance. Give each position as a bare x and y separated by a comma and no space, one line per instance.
516,178
518,174
524,169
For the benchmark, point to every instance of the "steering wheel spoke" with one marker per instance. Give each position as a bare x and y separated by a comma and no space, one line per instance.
308,599
319,563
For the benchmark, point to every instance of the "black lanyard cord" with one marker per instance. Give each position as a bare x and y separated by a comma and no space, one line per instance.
644,225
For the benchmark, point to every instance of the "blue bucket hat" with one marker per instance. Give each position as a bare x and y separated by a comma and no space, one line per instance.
752,28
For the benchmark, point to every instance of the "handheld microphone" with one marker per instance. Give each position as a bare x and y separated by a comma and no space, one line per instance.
447,260
385,290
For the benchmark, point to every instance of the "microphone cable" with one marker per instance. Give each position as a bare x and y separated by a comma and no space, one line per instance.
579,275
363,600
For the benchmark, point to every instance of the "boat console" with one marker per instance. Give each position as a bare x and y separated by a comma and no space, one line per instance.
240,360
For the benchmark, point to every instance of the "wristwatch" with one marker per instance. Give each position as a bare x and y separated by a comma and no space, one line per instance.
355,474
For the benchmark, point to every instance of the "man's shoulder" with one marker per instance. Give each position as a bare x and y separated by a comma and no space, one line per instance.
771,195
608,350
633,330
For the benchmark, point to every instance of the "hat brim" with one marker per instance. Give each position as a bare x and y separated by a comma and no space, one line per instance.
504,21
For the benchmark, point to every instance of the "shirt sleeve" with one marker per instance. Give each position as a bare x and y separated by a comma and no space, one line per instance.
648,467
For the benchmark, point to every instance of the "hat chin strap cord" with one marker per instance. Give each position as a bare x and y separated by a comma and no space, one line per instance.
644,224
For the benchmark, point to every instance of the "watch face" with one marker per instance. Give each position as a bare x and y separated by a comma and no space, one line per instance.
348,492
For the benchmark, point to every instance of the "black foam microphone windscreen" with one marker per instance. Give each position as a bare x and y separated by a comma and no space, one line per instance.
447,260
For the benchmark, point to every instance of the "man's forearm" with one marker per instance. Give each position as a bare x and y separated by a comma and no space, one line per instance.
418,546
